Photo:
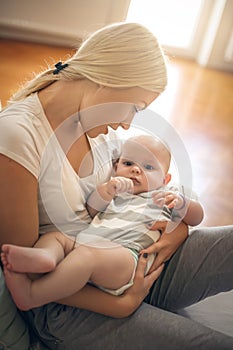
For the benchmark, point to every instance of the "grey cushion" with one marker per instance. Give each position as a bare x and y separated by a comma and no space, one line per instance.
215,312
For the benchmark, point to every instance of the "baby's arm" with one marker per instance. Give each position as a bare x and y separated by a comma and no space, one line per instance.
190,210
193,212
104,193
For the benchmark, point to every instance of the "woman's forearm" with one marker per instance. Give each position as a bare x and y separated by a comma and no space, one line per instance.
93,299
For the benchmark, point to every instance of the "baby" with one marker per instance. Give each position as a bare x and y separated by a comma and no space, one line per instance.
106,253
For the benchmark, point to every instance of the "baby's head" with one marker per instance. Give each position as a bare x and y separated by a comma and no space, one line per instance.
145,160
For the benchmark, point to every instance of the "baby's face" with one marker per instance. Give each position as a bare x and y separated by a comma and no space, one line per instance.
140,164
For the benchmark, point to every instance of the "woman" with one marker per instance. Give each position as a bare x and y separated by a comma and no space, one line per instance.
49,141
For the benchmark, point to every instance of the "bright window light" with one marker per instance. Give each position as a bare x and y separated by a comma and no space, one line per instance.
173,21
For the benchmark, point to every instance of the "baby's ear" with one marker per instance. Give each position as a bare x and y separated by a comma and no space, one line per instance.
167,179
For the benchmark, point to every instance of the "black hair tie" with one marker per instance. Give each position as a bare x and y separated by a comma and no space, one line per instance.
59,66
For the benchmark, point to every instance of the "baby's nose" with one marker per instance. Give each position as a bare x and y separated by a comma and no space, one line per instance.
136,169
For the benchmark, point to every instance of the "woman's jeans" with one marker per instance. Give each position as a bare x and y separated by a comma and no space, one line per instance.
201,267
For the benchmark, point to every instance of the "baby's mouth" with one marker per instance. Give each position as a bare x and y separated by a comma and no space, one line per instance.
135,181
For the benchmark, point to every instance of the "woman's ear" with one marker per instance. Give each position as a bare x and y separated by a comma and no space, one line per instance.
167,179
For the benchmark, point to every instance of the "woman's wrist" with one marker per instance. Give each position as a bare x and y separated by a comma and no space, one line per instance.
129,303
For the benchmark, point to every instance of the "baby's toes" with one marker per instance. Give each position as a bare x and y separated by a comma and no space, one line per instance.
5,262
3,258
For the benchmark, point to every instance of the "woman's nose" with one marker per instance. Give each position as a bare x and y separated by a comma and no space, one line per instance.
125,126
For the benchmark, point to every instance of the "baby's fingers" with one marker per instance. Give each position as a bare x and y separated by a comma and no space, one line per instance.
130,186
172,204
159,198
124,185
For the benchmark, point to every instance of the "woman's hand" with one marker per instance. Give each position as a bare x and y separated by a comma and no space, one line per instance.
168,243
135,295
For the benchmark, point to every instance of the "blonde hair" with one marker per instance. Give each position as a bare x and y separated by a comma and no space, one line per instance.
120,55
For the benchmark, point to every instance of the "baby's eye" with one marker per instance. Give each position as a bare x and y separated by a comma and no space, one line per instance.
127,163
148,167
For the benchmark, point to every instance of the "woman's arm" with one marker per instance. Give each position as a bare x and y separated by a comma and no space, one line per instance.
93,299
18,204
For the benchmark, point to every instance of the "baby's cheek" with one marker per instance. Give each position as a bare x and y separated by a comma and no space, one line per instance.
155,180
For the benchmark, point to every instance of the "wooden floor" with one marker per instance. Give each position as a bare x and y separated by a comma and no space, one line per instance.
198,102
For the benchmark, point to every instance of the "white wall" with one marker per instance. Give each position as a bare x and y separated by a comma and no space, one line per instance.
66,22
216,48
59,22
198,30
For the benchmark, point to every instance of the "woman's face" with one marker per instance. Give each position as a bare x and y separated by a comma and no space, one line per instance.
103,107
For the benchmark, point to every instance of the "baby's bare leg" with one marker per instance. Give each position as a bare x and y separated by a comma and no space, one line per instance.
43,257
110,268
113,267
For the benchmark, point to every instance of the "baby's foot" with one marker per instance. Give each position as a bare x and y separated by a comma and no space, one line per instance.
24,259
19,286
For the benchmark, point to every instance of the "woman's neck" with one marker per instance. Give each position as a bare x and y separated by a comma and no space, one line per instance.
61,103
61,100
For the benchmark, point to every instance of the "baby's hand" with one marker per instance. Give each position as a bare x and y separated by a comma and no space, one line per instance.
159,198
121,184
172,199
